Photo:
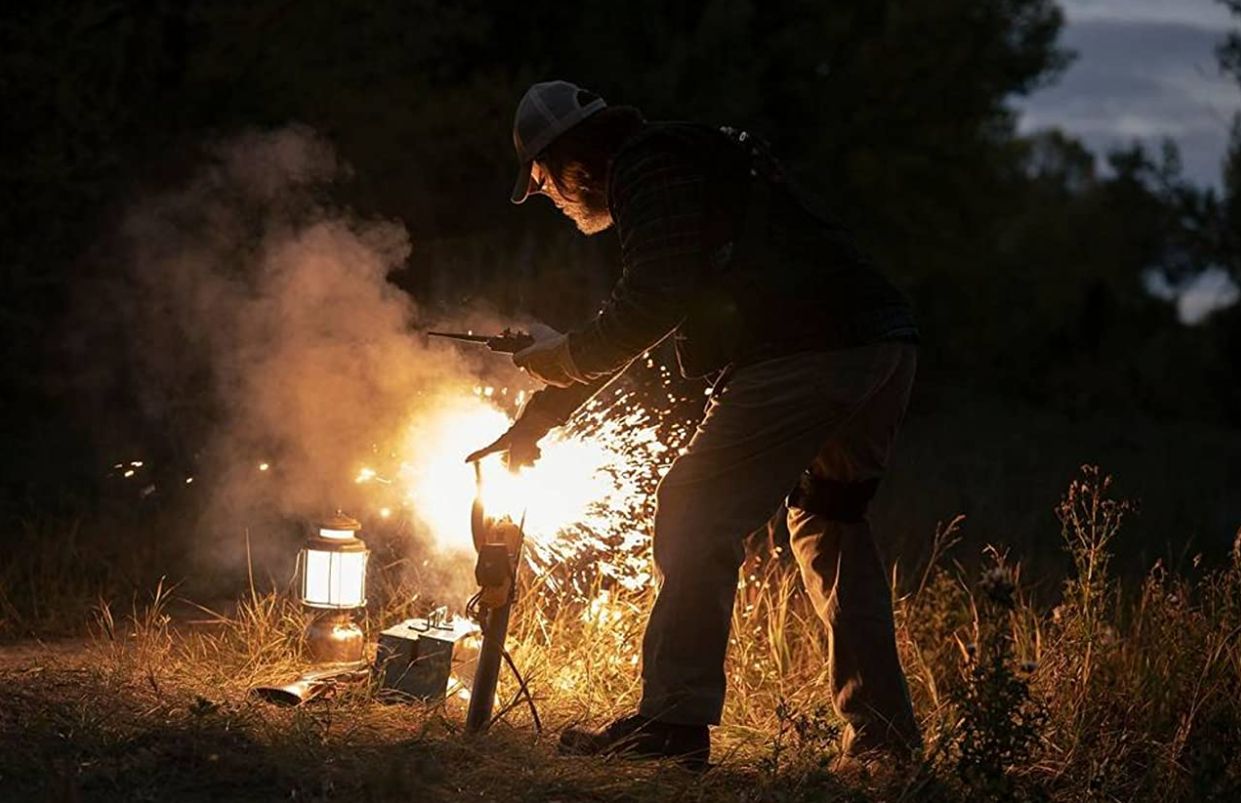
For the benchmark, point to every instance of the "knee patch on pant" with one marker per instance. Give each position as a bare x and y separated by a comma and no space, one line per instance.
837,500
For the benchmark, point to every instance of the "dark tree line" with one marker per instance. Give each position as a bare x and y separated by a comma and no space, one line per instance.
1025,259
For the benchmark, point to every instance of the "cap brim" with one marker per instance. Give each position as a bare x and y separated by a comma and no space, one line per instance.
521,187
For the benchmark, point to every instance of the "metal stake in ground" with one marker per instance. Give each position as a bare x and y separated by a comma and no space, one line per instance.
498,541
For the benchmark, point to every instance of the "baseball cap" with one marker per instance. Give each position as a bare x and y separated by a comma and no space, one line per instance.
546,111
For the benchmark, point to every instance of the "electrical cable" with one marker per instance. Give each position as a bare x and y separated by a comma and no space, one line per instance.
471,608
523,691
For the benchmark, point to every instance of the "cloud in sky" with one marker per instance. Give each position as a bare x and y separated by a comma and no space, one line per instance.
1146,69
1198,13
1211,290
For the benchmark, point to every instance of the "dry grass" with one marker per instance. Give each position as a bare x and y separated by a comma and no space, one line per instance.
1107,696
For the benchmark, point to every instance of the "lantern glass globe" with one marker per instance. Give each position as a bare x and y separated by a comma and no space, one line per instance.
333,564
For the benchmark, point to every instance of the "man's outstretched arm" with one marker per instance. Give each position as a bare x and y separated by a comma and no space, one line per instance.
557,405
546,409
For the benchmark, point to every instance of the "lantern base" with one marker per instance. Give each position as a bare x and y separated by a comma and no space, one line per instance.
334,638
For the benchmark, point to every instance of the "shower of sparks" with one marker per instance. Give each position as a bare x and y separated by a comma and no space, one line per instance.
586,503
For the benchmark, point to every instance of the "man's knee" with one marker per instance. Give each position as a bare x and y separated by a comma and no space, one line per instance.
675,531
835,500
689,529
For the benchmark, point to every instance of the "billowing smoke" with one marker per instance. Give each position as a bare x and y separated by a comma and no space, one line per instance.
260,326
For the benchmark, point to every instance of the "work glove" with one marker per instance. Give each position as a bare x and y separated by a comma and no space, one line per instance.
520,444
549,360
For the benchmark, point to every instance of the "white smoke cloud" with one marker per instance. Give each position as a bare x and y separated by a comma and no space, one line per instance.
255,308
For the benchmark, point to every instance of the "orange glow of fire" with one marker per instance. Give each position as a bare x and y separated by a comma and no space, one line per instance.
554,493
438,483
585,505
582,489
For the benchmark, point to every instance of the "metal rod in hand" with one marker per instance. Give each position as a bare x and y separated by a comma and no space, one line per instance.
463,337
507,342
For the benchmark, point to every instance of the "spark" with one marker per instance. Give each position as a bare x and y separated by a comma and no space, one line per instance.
385,512
264,466
129,473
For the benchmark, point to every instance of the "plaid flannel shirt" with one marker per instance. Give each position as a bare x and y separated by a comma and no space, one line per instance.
666,209
658,202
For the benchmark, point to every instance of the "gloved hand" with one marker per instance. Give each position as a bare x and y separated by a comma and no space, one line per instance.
549,360
520,442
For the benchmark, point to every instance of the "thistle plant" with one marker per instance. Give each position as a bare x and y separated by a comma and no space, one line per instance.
1000,719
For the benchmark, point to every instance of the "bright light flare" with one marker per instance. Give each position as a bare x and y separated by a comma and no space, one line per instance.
557,491
588,496
554,493
439,483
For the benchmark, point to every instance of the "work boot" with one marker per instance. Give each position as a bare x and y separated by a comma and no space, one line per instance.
870,742
642,737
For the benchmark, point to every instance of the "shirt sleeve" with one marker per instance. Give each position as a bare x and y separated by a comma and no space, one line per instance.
658,200
553,406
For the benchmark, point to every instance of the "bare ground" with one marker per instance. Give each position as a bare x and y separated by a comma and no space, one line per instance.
76,725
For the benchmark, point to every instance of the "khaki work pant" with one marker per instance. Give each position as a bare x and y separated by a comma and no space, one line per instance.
835,413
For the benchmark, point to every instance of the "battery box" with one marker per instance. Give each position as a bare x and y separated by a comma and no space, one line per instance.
419,659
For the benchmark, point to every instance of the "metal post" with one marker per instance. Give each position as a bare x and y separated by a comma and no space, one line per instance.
498,542
483,695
